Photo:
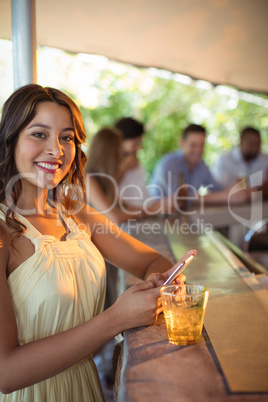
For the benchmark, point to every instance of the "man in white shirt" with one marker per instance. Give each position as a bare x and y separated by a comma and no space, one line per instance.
243,161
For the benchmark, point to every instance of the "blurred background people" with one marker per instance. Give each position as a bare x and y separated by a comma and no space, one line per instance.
185,168
103,172
132,185
242,161
184,165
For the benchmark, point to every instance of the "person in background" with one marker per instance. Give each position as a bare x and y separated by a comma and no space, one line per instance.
104,169
52,271
132,185
184,165
185,168
134,175
242,161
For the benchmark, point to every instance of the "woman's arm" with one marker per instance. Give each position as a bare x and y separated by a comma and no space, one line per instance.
123,250
97,198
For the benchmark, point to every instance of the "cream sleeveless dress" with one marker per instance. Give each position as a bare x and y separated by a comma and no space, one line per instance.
59,287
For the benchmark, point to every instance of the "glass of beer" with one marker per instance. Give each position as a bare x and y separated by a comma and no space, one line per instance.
184,308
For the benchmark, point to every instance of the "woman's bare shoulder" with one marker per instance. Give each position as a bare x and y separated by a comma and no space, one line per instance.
88,218
87,214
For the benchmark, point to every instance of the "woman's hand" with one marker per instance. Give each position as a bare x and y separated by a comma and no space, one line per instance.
138,305
159,279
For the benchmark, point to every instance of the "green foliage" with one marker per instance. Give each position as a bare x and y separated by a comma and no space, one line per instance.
167,107
106,91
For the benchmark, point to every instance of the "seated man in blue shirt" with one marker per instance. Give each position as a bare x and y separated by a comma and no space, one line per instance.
186,166
186,163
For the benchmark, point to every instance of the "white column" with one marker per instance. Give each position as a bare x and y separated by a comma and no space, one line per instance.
24,42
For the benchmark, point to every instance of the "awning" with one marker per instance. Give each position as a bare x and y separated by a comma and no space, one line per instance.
220,41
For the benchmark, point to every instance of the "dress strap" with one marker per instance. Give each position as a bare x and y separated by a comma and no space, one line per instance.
31,232
2,214
30,229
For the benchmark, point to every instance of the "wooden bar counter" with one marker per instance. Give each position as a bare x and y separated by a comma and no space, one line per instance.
230,363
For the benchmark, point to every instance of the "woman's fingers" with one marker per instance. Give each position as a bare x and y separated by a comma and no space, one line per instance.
180,279
159,279
156,278
166,274
145,285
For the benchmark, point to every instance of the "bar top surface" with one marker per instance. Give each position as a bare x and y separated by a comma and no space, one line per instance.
231,361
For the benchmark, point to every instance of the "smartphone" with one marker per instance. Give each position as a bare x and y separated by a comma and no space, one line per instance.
178,270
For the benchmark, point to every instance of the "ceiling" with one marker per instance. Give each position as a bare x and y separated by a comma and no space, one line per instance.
220,41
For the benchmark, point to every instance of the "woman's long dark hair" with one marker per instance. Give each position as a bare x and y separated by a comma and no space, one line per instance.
18,112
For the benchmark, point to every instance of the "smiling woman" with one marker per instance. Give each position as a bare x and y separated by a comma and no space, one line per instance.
52,273
46,147
45,124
